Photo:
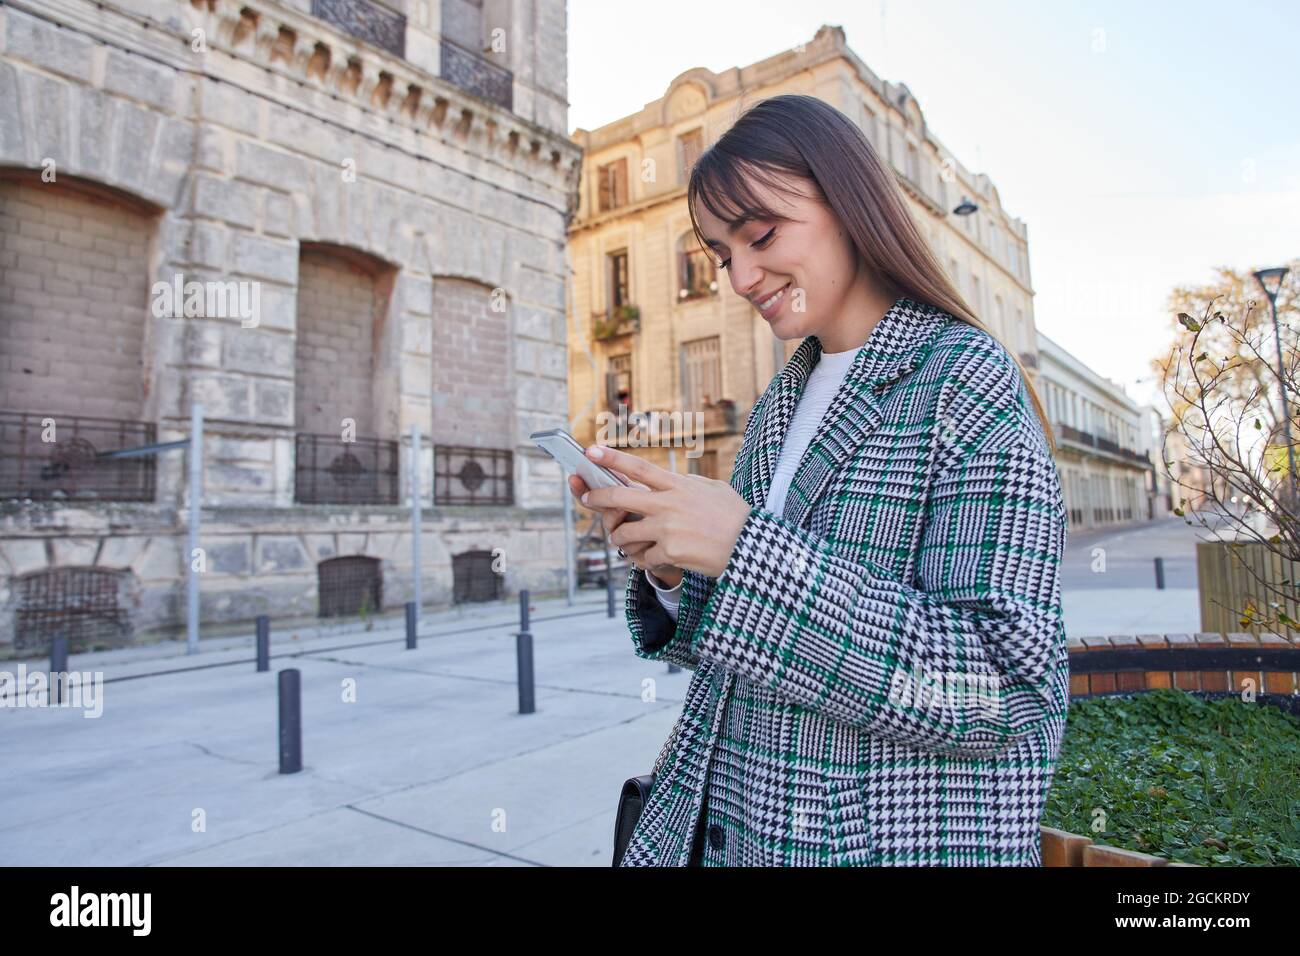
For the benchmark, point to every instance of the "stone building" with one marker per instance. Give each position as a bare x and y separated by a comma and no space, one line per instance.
363,204
1101,448
657,328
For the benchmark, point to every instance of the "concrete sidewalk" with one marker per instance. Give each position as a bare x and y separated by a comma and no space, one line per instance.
1093,612
431,765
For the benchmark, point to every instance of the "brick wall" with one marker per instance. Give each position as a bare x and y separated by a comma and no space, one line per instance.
74,296
334,357
471,363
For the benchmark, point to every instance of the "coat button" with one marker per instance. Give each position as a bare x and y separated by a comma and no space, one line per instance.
715,836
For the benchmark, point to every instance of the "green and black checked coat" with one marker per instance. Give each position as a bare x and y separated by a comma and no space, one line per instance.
880,672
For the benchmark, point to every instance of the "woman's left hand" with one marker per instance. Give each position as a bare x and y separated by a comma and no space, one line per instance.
692,521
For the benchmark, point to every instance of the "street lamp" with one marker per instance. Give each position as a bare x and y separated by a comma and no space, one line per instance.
1270,280
965,207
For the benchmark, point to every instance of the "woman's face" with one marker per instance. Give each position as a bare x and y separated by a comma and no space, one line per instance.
806,260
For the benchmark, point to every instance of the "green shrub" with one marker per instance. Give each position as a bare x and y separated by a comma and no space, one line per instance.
1211,782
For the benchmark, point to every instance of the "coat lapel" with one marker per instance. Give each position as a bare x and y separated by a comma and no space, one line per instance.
894,348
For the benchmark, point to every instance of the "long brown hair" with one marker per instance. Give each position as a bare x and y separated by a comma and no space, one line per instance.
809,138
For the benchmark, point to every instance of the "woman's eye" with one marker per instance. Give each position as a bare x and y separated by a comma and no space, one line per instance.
758,243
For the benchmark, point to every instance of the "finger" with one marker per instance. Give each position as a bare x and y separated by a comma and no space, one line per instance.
627,499
638,469
577,487
635,534
611,519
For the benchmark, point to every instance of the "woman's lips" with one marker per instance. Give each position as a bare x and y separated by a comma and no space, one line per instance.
770,313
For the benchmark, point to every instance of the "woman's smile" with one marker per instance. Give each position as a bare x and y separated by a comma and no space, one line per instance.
769,307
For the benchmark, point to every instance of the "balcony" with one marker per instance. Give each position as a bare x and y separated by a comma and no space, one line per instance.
51,457
623,320
476,74
365,21
1089,441
329,471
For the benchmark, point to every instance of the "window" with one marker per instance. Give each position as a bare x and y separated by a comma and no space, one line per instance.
689,147
696,268
913,165
976,302
620,380
349,586
611,180
701,373
869,128
616,295
999,320
706,465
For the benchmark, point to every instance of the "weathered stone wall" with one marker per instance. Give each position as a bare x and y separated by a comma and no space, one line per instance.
334,360
72,299
283,132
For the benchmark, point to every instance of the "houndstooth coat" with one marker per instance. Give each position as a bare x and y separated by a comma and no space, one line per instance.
880,672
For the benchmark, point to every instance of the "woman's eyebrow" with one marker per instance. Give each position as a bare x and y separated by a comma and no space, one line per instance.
732,226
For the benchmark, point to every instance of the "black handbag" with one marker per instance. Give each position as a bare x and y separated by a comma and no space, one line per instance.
636,790
632,799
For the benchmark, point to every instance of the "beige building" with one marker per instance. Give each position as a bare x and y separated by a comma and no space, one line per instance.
656,327
1102,450
390,181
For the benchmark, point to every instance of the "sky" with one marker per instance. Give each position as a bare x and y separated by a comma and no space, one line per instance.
1143,144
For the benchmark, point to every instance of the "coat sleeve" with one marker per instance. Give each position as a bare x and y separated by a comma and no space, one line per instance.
655,635
966,659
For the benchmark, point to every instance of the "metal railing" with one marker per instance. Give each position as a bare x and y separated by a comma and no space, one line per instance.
366,21
1069,433
476,74
328,471
47,456
472,476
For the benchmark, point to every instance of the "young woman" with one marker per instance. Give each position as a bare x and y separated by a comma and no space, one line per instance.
871,607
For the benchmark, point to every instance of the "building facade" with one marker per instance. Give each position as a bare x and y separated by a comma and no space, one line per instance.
1100,441
655,326
324,221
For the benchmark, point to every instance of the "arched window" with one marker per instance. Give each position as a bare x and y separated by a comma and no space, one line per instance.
697,273
349,586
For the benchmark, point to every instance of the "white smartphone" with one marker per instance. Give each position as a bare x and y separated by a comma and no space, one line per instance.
564,448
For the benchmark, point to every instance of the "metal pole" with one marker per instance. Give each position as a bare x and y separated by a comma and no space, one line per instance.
1160,573
196,504
290,685
1281,380
415,522
609,580
571,583
410,625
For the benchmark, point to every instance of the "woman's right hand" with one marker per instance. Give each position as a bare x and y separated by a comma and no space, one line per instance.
610,518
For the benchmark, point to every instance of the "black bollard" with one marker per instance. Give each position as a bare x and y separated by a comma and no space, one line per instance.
290,721
524,657
1160,573
410,625
263,642
58,668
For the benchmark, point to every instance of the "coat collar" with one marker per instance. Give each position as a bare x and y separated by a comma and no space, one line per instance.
894,348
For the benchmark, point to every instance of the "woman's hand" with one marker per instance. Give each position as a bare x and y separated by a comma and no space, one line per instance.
610,519
687,520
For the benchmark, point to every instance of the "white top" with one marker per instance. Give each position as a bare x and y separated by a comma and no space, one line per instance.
818,392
